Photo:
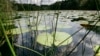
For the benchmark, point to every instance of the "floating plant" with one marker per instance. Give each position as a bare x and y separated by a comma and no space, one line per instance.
45,39
18,16
83,22
60,38
97,49
24,30
78,19
98,24
19,31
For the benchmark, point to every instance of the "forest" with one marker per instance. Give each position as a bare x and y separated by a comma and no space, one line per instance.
60,5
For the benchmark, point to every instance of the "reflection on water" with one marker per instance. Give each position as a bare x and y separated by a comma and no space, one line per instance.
49,19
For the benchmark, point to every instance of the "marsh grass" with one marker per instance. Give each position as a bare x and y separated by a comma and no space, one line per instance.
7,39
5,11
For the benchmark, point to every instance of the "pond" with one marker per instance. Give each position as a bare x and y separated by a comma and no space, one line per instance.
73,22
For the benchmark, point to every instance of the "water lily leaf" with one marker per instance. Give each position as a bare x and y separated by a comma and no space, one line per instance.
98,24
24,30
18,30
62,36
83,22
96,48
40,27
98,54
47,39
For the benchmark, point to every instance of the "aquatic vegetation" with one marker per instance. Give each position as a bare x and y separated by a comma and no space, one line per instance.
89,25
19,30
98,24
5,14
7,39
97,54
24,30
78,19
8,19
18,17
28,49
47,39
83,22
97,50
93,14
60,37
0,54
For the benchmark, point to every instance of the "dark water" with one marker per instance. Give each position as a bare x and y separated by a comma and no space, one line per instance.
84,49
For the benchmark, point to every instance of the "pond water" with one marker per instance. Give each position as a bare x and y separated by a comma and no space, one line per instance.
65,18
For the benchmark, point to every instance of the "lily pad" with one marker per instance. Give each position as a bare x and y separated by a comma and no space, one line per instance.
98,24
18,30
47,39
40,27
62,36
24,30
83,22
96,48
98,54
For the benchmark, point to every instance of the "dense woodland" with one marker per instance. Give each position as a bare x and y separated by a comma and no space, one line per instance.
64,5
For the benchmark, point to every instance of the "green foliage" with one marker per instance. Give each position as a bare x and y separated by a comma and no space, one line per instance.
61,5
5,5
5,15
0,54
96,48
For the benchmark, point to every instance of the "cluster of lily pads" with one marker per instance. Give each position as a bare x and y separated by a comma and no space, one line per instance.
38,27
47,38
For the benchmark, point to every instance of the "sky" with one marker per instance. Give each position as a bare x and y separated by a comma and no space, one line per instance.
38,2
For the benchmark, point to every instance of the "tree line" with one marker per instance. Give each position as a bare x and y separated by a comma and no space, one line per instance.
61,5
